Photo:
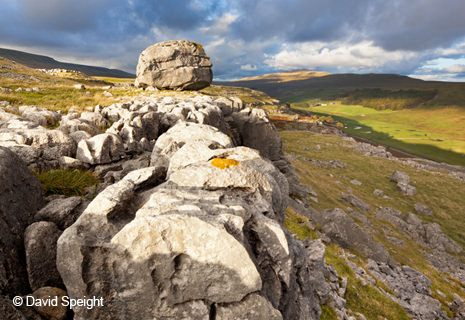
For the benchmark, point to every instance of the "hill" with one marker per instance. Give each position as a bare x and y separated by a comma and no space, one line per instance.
43,62
424,118
354,86
280,77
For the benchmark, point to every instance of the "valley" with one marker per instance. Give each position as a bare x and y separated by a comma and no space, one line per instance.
424,118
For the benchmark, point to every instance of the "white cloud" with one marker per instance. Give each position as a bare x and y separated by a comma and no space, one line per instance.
220,24
359,57
248,67
456,68
456,49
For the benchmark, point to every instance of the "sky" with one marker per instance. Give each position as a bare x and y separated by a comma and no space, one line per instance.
421,38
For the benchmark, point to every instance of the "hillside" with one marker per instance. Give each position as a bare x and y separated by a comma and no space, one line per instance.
339,86
43,62
425,118
280,77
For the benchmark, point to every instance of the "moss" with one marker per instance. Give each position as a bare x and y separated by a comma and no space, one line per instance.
224,163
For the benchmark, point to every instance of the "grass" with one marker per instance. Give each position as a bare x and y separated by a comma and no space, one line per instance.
66,182
363,298
388,99
443,194
115,80
297,224
328,313
433,133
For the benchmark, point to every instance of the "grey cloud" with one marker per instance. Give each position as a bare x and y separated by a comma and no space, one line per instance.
115,31
395,24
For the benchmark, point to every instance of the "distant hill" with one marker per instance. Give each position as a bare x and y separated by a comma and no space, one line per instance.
318,85
43,62
280,77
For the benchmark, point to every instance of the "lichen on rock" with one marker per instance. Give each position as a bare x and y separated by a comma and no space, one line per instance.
224,163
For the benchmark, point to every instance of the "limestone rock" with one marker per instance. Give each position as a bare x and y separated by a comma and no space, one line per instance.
94,118
403,183
70,125
69,163
253,307
62,211
411,288
103,148
256,131
40,240
423,210
407,189
208,240
356,202
400,177
343,230
183,132
174,65
20,198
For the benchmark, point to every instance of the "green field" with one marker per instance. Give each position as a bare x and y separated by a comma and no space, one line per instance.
433,133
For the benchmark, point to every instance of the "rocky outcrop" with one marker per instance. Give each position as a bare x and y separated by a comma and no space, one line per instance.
179,65
20,198
155,248
411,289
343,230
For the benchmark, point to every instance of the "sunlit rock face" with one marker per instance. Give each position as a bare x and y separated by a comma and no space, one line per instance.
177,65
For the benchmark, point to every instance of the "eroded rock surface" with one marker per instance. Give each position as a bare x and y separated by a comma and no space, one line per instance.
174,65
146,242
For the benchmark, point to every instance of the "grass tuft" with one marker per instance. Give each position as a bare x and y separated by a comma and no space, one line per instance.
66,182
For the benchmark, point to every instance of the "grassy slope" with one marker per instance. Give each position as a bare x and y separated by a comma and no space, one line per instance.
443,194
434,133
44,62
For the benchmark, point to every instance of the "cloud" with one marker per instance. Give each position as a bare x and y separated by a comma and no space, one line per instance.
359,57
248,67
456,68
244,37
413,25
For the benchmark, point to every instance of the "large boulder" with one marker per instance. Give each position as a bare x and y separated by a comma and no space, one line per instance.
181,65
206,241
20,198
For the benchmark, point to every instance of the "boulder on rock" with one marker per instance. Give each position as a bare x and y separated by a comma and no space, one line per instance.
181,65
